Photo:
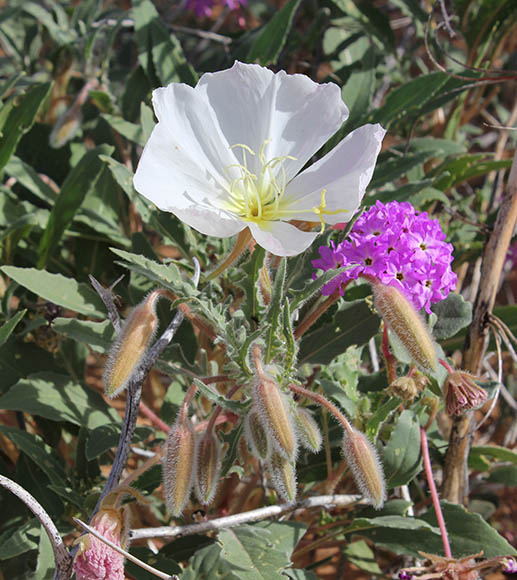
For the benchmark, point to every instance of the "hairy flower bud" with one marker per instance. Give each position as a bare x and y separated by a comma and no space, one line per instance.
366,468
179,464
94,559
208,467
275,415
256,436
407,388
406,324
283,476
308,430
461,393
130,346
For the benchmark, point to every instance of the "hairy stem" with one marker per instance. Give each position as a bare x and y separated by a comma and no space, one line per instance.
313,316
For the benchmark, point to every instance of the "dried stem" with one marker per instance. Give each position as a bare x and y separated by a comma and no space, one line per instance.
240,245
325,501
434,494
455,487
63,560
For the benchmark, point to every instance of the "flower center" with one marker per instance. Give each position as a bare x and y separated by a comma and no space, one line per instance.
258,198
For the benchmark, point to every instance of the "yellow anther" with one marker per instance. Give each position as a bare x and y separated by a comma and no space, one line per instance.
320,210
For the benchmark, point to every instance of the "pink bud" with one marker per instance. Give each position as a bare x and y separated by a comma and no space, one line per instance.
95,560
461,393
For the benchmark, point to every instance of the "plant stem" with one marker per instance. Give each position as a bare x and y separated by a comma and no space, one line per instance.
313,316
240,245
455,481
320,399
325,501
62,558
434,493
388,357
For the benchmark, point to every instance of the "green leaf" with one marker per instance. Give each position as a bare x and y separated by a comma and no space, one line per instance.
401,455
128,130
380,415
98,335
495,451
391,169
360,554
253,306
248,552
30,179
506,474
20,119
453,313
7,328
21,539
469,533
355,324
58,398
38,451
163,563
46,564
104,437
167,275
159,52
79,182
218,399
271,39
65,292
275,308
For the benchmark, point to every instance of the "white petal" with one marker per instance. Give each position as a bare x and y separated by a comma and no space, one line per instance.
186,156
210,221
252,105
281,238
344,173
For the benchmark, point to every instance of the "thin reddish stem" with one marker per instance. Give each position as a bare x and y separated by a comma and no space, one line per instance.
434,493
313,316
150,414
446,365
388,357
320,399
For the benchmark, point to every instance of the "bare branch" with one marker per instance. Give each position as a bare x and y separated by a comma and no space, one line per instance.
324,501
62,558
106,296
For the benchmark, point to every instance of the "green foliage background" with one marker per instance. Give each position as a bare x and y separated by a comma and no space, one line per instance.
68,210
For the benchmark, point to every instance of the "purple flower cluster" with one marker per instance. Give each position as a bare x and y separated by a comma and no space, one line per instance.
399,247
203,8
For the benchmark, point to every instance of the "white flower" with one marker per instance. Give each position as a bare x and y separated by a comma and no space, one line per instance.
227,155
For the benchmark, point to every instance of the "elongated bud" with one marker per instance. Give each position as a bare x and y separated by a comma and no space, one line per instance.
366,467
208,467
275,415
407,325
283,476
179,465
308,430
256,436
461,393
130,346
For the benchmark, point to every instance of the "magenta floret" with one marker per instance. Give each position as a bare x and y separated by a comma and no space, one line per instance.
400,247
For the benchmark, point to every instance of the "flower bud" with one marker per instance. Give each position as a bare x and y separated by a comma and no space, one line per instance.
308,430
208,467
179,464
273,409
94,559
461,393
406,324
283,476
366,468
130,346
256,436
407,388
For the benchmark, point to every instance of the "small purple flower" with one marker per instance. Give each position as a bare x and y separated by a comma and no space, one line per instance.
405,576
510,566
400,247
203,8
